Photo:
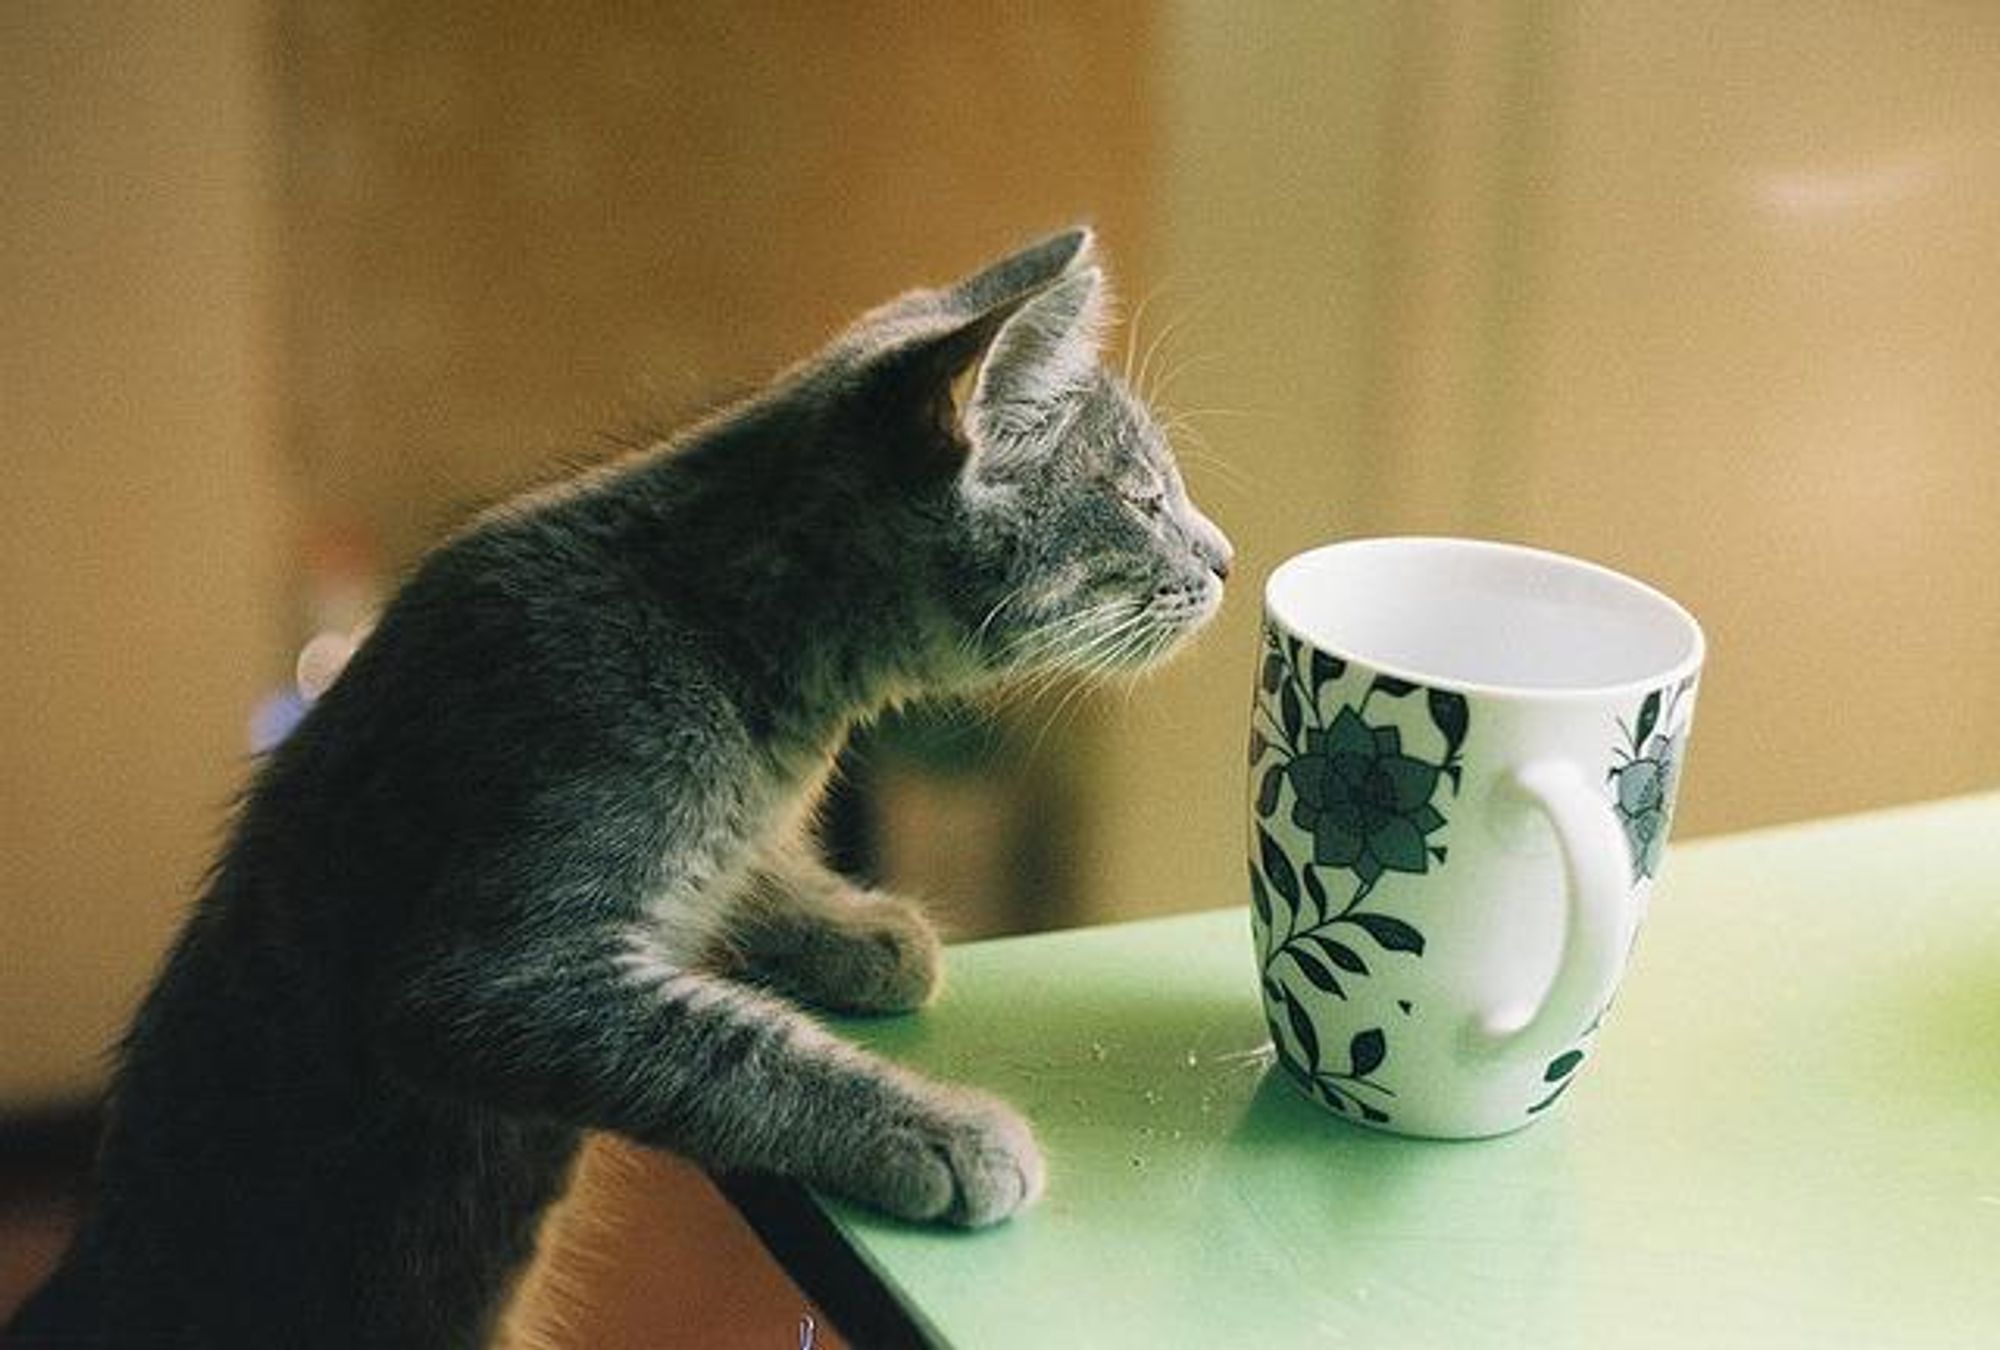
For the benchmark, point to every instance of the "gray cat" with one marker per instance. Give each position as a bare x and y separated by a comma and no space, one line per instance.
538,863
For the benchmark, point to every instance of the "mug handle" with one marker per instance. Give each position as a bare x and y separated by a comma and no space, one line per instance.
1597,932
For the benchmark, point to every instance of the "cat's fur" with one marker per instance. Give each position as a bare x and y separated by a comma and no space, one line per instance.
537,862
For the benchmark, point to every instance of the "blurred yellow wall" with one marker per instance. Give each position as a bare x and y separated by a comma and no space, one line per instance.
511,232
1707,292
1256,332
138,518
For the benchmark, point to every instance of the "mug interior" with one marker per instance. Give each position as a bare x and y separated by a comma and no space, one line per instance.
1472,613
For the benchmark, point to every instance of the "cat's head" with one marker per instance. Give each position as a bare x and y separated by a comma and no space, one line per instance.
1048,500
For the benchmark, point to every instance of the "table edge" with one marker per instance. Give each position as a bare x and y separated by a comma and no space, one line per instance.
804,1240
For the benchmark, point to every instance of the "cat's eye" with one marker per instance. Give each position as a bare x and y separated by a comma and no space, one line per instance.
1147,500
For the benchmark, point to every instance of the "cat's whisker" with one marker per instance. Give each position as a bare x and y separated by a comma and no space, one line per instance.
1048,661
1066,717
1078,651
1131,686
1076,691
1223,471
1118,660
1038,642
969,646
994,613
1135,379
1110,654
1181,435
1226,473
1132,334
1143,386
962,716
1043,676
1150,384
1084,654
1163,386
1058,681
1255,413
1143,381
1054,682
1184,435
1027,654
1192,445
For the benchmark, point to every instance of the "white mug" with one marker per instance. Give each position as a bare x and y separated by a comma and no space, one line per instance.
1463,759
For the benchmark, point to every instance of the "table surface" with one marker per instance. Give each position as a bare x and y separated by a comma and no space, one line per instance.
1790,1135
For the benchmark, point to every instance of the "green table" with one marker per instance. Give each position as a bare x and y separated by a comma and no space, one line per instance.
1790,1136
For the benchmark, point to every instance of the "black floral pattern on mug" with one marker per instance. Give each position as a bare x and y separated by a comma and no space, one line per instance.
1646,773
1366,804
1370,807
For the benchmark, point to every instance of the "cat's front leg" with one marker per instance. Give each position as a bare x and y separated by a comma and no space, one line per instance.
769,1090
799,928
617,1036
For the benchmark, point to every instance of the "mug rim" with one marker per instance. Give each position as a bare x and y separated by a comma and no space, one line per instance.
1688,665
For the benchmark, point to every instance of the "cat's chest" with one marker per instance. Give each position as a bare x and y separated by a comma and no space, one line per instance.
708,857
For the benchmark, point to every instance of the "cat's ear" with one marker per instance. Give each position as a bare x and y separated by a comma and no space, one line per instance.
1044,351
991,354
1015,278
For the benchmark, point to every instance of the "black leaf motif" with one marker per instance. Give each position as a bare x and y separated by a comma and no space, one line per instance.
1316,889
1278,868
1258,746
1391,934
1562,1066
1368,1049
1393,687
1267,791
1302,1031
1288,704
1372,1116
1449,715
1341,955
1273,990
1649,717
1315,970
1325,669
1260,897
1274,672
1550,1100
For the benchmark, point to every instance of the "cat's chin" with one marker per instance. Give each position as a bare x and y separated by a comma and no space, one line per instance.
1167,639
1179,627
1173,642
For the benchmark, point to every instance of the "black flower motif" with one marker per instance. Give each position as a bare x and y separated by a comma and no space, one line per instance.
1645,800
1366,804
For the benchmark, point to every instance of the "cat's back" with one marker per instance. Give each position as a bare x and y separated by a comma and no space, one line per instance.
516,651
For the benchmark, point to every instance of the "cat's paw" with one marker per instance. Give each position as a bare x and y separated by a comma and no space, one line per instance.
880,956
971,1160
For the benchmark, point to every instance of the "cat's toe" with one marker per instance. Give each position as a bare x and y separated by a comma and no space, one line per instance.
996,1166
975,1163
888,959
970,1160
910,1180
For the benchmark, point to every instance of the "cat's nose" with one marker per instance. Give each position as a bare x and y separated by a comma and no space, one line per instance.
1213,546
1221,554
